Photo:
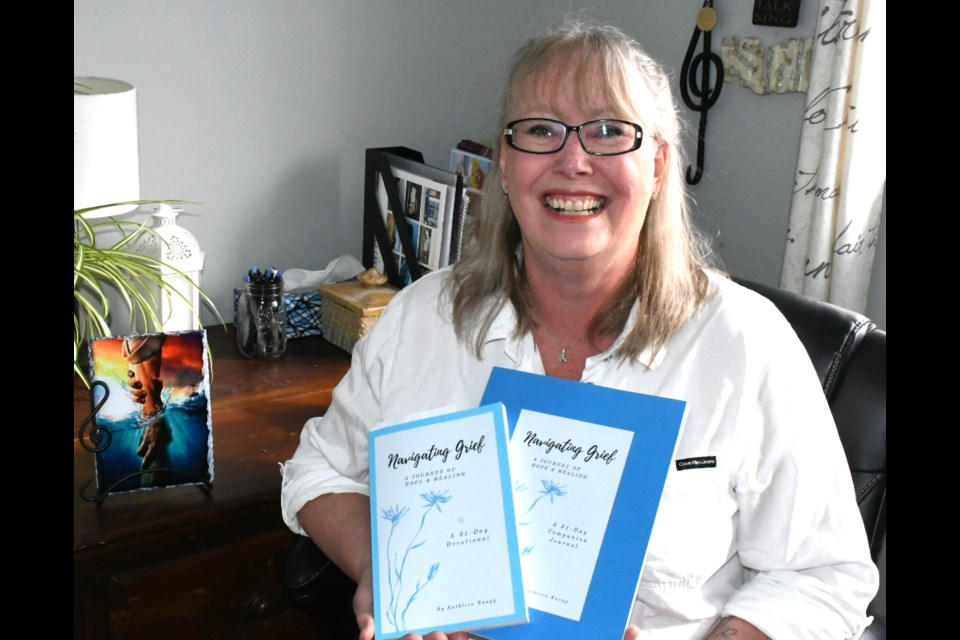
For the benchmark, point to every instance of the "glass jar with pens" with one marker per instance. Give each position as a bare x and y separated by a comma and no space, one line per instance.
261,315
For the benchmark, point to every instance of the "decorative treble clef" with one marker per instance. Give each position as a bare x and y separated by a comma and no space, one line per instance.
100,436
707,93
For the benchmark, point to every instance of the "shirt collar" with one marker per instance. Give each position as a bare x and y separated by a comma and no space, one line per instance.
504,327
646,357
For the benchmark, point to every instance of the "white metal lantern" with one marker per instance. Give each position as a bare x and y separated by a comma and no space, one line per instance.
178,248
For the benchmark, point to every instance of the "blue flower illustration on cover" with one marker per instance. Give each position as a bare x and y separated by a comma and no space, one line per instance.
397,568
550,490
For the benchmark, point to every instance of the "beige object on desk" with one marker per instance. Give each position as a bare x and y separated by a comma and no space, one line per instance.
350,310
371,278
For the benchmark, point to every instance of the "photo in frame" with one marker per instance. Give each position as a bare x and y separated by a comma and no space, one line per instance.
412,207
157,410
425,214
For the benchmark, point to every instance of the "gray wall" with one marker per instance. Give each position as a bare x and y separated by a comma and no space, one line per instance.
260,111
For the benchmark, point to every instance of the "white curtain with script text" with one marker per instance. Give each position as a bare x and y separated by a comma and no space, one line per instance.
841,168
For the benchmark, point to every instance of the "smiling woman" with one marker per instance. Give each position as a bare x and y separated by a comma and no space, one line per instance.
575,210
584,265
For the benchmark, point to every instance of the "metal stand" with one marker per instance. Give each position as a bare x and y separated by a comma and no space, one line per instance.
100,438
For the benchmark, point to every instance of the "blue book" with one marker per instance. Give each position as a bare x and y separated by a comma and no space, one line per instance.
589,467
442,524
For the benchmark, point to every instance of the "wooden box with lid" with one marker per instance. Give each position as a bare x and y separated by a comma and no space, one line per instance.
351,309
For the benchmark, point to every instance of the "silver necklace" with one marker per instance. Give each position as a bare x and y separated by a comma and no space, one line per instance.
563,348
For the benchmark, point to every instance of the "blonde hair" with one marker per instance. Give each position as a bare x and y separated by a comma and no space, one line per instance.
669,280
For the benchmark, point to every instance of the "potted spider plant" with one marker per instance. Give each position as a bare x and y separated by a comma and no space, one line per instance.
99,267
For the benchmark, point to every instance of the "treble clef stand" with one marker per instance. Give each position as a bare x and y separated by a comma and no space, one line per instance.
707,94
101,436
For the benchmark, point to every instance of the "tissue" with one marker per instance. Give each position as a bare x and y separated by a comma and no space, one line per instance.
338,270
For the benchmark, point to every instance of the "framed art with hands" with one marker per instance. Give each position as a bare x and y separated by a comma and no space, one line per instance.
151,395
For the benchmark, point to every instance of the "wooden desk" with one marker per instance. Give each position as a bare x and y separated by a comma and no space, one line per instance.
183,563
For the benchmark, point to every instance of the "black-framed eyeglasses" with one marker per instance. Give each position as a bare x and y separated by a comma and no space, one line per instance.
605,137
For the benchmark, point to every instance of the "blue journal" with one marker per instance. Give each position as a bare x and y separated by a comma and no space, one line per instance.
589,464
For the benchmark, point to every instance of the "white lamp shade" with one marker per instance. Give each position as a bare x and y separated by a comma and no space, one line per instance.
106,165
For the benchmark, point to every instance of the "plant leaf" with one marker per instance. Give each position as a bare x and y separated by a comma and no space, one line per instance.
136,278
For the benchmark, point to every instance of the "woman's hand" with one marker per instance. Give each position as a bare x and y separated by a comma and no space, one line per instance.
363,608
363,605
632,633
143,356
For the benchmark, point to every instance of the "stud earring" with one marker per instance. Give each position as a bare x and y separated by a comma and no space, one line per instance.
504,187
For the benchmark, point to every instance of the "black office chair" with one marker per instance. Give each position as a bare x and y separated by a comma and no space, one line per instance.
849,353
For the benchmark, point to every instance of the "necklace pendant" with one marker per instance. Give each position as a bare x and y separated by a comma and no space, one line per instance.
563,354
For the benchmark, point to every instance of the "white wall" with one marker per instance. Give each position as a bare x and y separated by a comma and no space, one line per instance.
260,110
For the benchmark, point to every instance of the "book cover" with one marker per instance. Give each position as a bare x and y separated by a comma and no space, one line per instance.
443,526
472,166
459,223
472,202
589,467
425,211
451,205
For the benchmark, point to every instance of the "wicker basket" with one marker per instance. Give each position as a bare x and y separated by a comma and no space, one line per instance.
350,310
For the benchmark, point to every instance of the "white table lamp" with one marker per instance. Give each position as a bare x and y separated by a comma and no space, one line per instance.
106,166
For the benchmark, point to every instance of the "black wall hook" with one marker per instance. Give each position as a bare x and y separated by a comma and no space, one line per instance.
704,91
